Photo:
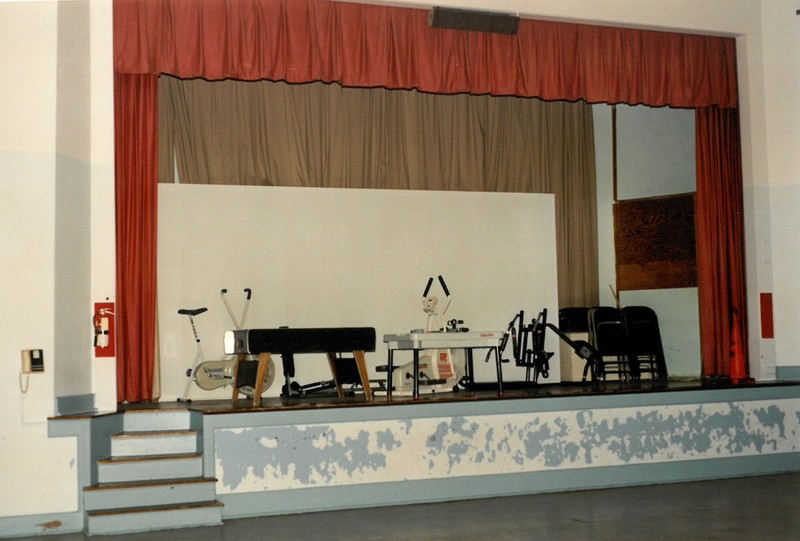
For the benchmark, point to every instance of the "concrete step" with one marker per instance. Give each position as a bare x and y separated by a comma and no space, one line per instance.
156,517
157,442
149,468
143,420
131,494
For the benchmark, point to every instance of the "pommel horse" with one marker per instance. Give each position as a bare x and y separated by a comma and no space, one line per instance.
288,341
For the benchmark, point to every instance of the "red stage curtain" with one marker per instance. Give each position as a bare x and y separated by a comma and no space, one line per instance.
364,45
720,243
136,148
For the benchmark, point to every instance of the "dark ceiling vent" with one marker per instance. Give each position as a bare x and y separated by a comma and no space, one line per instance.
478,21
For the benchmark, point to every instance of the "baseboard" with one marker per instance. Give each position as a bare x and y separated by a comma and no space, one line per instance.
50,524
74,404
787,373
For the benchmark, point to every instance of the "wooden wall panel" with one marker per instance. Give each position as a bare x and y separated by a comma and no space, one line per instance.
655,243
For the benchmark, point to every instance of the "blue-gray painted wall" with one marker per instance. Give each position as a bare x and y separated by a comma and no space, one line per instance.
286,462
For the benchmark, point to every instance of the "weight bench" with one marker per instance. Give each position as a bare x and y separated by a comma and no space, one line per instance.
287,342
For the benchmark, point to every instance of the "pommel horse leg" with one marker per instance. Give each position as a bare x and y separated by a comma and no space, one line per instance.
361,365
261,376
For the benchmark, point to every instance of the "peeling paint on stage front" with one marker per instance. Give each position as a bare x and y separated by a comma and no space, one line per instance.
280,462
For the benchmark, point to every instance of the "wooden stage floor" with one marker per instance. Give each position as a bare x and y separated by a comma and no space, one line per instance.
485,392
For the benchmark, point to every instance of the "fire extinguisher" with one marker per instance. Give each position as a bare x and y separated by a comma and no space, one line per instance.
103,323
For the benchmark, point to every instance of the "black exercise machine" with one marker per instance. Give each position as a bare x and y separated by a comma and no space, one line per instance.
528,348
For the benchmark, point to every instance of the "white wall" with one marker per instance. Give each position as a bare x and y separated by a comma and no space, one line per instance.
781,41
73,201
655,151
28,57
346,258
102,212
728,17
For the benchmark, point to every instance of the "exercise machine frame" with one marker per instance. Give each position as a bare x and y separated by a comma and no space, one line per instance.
527,348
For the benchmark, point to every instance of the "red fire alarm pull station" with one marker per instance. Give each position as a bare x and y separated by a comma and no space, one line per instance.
103,322
767,323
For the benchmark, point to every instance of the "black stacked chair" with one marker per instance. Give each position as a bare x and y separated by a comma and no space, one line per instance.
574,319
608,336
645,351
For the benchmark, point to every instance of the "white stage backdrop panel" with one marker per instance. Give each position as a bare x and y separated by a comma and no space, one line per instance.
322,257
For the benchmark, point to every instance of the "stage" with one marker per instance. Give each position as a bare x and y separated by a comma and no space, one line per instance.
485,392
322,452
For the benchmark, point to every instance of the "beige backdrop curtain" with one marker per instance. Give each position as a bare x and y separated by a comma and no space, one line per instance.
324,135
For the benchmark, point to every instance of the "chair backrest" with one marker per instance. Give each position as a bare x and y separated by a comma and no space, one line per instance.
641,325
607,331
573,319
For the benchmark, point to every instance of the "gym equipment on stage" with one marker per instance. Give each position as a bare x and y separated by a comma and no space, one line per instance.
583,349
418,341
527,348
290,341
198,355
209,375
527,345
439,369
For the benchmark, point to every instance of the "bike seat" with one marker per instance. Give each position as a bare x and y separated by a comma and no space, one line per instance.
191,311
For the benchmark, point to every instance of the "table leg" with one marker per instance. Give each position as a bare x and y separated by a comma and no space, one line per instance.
499,371
416,374
389,376
469,370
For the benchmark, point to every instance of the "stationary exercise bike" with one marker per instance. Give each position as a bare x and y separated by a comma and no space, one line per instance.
210,375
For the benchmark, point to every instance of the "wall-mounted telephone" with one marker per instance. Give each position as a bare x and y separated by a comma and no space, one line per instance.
32,361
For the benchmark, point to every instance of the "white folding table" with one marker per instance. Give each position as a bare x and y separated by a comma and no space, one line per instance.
418,341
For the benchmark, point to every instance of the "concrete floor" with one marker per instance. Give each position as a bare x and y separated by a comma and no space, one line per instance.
753,508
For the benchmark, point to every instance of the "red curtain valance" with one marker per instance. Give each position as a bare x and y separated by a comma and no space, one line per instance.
365,45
